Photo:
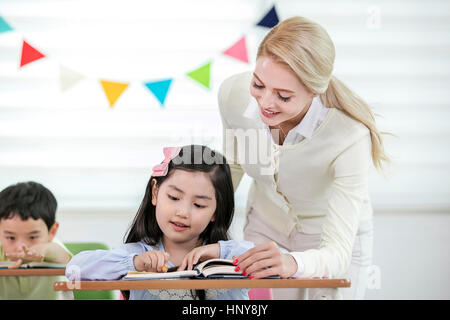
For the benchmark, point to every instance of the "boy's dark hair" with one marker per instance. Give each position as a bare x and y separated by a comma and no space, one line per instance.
28,200
191,158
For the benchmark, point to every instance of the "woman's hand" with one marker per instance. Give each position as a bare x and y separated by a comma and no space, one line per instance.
151,261
198,254
266,260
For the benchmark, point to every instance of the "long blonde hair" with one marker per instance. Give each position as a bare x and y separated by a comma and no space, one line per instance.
308,50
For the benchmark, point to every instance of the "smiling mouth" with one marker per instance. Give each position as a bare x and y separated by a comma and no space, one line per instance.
178,225
268,113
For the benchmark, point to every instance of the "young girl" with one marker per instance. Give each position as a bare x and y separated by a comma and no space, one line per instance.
184,217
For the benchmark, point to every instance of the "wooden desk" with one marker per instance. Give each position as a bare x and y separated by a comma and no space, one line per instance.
69,286
32,272
200,284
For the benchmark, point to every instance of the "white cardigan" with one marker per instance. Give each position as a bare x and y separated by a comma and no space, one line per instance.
319,186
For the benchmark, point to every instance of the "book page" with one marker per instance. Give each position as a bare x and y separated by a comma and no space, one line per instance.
137,275
213,262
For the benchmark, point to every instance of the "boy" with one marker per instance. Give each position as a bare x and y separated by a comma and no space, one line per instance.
27,233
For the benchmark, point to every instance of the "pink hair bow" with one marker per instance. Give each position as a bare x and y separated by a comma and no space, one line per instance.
161,169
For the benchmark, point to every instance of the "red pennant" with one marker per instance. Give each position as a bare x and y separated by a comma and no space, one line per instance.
29,54
238,50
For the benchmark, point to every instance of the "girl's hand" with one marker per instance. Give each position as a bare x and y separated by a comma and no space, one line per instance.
151,261
24,255
266,260
198,254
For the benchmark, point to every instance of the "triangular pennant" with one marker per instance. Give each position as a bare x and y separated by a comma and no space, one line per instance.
238,50
202,75
159,89
29,54
68,78
113,90
4,26
270,20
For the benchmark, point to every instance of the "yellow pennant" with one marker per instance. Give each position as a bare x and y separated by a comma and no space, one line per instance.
113,90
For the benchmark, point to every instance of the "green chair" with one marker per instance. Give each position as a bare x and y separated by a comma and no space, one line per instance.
76,247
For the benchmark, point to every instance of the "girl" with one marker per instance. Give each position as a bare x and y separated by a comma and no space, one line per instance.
184,217
310,189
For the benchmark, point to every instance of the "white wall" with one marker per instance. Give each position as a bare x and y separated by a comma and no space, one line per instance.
411,251
97,160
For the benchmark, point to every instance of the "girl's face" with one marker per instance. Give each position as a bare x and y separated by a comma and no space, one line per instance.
185,205
280,94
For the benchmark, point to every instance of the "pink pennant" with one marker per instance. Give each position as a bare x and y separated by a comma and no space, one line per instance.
238,50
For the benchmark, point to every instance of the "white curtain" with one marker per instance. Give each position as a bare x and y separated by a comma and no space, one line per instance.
395,54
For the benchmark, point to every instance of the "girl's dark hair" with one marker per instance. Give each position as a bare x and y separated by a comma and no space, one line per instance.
190,158
28,200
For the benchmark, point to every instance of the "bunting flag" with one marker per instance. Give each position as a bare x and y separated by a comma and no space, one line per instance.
4,26
29,54
159,89
113,90
202,75
270,20
238,50
68,78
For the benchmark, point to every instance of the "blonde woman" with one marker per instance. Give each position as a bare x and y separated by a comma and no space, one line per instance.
308,142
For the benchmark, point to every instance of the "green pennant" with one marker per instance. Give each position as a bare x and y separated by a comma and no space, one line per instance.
202,75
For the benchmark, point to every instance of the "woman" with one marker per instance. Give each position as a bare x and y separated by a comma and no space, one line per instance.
308,142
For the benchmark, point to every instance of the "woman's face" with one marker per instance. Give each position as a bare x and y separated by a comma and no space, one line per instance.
281,96
185,205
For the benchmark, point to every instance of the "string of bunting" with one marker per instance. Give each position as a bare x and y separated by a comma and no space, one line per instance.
159,88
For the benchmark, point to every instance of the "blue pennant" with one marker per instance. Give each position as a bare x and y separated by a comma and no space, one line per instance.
4,26
270,20
159,89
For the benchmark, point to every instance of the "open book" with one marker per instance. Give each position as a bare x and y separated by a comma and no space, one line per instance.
213,268
46,265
